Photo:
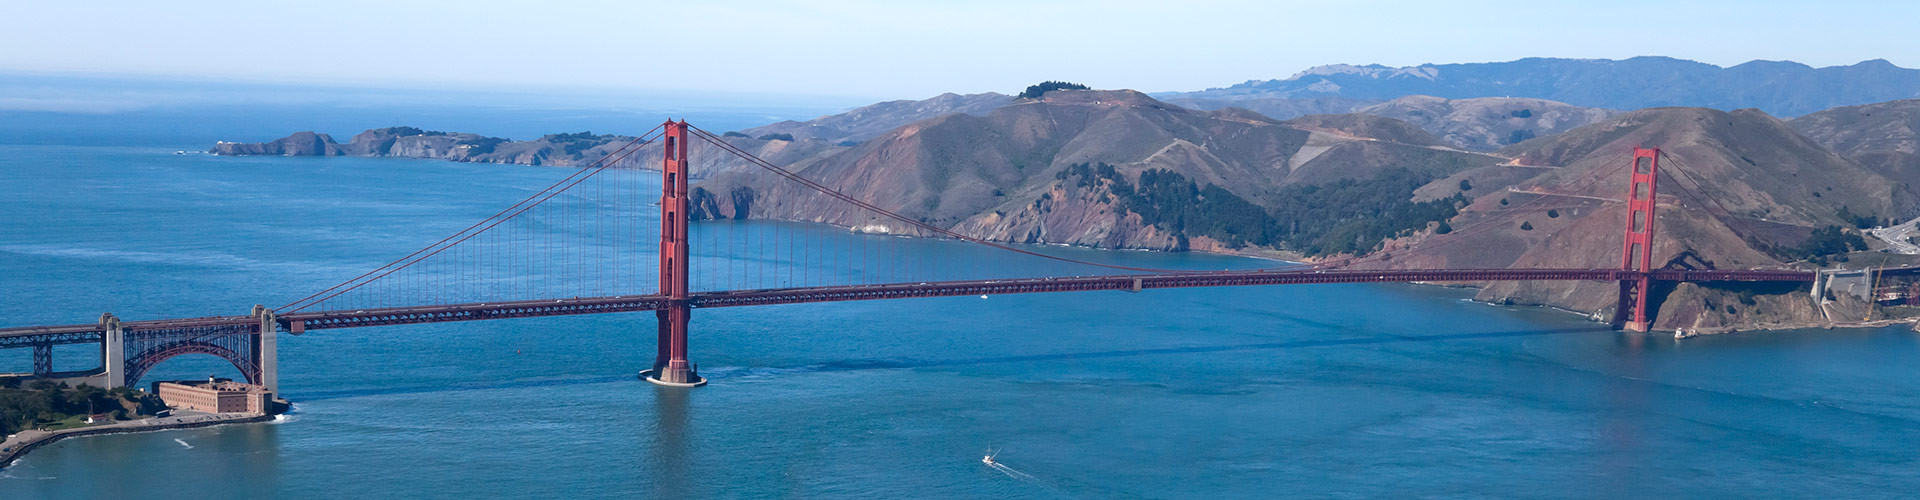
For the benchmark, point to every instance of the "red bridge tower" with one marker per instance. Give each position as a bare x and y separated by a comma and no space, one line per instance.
1636,251
670,366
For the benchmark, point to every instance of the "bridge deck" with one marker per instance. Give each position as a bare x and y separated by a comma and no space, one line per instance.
302,321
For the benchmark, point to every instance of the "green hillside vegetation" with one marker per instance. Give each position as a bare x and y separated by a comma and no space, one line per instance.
1347,216
405,130
1035,91
1825,243
574,144
1355,216
44,404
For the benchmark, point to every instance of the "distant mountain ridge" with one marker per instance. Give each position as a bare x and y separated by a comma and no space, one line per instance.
1780,88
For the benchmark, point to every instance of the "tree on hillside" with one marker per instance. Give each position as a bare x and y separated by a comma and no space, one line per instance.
1035,91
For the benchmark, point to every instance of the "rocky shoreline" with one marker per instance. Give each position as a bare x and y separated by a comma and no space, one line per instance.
19,444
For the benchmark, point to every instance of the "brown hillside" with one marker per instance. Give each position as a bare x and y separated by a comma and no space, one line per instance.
1000,175
1780,184
1751,163
1884,137
865,122
1486,124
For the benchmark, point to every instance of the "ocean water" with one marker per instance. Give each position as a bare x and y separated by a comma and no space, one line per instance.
1323,391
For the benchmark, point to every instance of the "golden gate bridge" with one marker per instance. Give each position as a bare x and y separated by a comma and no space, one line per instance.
541,257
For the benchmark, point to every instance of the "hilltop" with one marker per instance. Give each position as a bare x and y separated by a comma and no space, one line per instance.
865,122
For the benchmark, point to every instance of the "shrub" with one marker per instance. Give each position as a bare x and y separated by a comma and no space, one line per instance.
1859,221
1526,226
1553,214
735,134
1465,186
777,137
1828,241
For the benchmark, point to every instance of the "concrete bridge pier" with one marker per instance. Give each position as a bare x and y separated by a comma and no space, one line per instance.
113,351
671,367
266,349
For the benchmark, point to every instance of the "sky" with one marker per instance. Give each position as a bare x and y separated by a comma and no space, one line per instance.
901,49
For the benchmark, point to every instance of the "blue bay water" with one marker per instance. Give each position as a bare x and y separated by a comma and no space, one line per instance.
1353,391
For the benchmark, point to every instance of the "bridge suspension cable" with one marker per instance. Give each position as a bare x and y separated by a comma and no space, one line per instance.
519,208
1707,203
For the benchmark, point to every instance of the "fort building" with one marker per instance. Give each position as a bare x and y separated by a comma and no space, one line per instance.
215,395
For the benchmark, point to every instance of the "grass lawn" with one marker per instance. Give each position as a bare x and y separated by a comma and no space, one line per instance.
73,422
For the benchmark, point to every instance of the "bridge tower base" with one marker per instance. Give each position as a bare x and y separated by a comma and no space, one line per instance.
670,366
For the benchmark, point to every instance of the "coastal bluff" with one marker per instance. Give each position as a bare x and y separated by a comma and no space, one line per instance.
577,149
569,149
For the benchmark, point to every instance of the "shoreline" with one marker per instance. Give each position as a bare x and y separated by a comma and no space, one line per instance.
15,451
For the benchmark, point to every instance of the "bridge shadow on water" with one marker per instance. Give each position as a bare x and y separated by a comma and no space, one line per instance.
894,364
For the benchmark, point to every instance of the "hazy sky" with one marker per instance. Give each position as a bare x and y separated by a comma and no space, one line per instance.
898,49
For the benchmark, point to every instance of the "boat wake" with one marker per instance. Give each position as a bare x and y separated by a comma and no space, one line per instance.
183,443
1004,469
1022,476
